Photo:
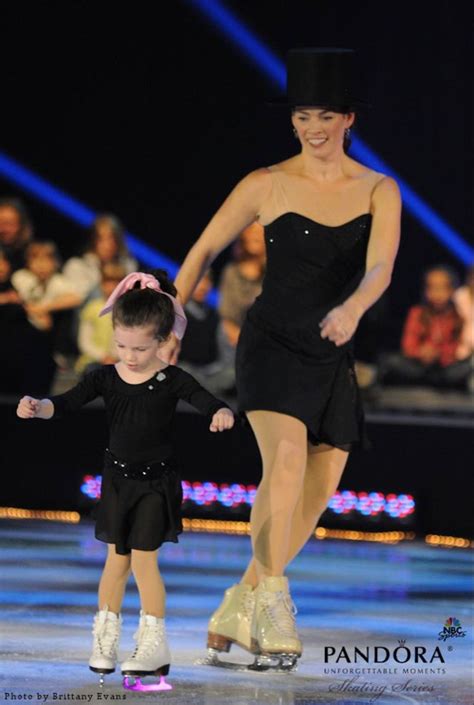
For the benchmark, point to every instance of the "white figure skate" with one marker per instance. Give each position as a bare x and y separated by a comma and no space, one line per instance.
151,656
106,633
274,636
231,624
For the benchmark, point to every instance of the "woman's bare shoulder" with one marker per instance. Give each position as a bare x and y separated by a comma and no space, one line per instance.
257,182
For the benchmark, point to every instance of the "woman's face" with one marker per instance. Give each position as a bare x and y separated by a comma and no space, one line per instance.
10,225
106,246
320,131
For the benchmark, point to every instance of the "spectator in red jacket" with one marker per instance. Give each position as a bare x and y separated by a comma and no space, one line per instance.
431,337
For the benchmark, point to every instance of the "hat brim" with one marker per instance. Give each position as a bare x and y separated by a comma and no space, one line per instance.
283,103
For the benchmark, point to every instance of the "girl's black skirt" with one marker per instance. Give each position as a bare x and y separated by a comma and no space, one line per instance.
140,504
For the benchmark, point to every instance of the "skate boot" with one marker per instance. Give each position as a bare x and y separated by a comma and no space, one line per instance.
106,633
151,656
231,623
274,633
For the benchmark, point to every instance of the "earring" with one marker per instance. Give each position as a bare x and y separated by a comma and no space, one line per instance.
347,133
295,134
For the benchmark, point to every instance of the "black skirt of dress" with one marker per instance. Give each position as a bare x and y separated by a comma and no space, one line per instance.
139,514
303,376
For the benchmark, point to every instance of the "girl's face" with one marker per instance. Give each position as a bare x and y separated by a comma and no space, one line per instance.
321,132
438,289
43,265
137,348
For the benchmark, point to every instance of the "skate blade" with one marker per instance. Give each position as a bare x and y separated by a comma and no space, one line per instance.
212,659
275,663
135,683
102,673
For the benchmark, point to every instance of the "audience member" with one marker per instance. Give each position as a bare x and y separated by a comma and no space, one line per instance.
96,336
241,280
25,355
50,300
431,338
8,294
106,245
42,289
464,302
16,230
205,352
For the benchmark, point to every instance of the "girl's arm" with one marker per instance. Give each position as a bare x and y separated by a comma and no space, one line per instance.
381,252
90,387
186,387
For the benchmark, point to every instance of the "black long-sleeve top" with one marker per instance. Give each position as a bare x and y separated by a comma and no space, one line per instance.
140,416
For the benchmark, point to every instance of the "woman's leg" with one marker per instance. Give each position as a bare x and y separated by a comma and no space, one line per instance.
282,442
149,582
113,580
324,467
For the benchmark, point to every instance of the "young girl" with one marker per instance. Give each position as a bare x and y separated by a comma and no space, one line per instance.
141,487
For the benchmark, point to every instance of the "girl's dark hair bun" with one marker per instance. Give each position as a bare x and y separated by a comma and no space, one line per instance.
165,282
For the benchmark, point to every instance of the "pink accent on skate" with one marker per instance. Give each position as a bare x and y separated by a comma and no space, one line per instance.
138,685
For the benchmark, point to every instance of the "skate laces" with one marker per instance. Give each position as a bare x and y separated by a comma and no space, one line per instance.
281,611
147,636
106,633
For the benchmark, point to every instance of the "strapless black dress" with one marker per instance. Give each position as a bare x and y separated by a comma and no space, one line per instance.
282,363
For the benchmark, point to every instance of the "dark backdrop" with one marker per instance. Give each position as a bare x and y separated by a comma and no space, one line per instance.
147,111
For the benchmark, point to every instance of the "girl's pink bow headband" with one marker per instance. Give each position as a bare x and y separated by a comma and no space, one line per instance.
147,281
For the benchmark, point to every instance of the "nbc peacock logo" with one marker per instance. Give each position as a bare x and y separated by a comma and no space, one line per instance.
452,629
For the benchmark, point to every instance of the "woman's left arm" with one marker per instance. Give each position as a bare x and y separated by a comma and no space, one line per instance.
340,324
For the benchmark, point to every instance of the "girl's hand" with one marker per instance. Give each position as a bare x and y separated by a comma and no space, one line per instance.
339,325
28,408
222,419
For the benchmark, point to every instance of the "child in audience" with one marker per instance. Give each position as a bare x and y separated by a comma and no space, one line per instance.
96,335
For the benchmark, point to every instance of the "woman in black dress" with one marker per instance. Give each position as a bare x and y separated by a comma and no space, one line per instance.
332,229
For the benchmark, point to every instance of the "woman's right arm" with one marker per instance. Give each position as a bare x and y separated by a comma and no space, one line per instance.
240,208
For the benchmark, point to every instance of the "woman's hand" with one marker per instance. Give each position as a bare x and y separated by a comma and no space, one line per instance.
222,420
340,324
169,351
28,408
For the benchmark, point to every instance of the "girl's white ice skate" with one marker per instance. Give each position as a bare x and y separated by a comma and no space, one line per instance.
151,656
231,624
106,633
274,635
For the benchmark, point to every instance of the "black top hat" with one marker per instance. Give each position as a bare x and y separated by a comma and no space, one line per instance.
321,76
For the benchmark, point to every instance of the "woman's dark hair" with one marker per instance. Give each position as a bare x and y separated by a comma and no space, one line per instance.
146,307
